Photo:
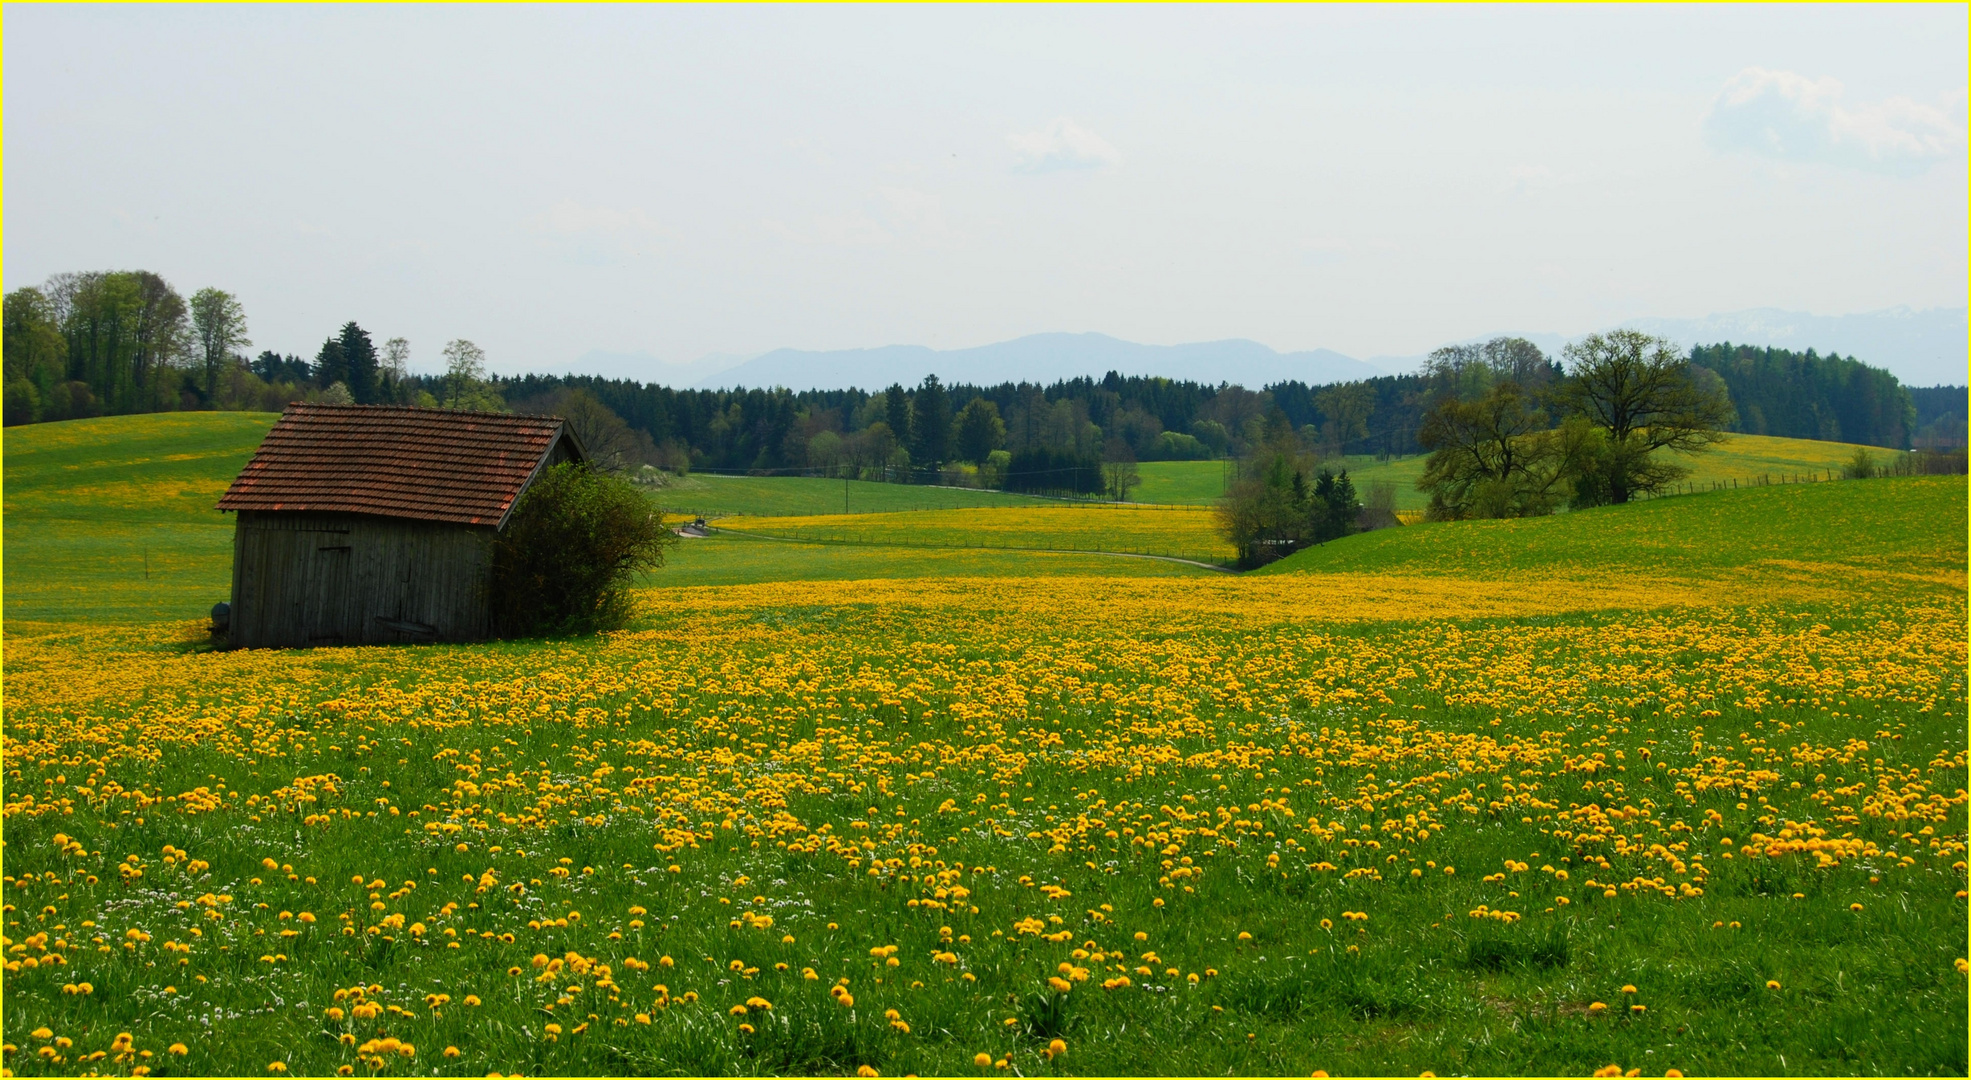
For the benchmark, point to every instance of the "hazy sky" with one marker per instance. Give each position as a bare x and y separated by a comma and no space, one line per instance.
679,181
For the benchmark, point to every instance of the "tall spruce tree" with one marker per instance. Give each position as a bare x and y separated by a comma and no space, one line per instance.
896,413
930,423
360,362
331,365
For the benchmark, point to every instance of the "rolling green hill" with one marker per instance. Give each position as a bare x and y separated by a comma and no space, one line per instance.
1744,459
113,518
1910,527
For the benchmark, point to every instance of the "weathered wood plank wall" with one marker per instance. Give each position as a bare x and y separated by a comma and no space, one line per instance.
305,579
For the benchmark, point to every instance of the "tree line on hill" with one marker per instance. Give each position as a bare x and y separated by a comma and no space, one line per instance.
1512,434
115,342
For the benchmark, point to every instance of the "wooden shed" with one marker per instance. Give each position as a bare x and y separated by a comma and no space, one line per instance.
366,524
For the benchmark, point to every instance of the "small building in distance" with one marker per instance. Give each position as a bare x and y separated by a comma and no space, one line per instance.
369,524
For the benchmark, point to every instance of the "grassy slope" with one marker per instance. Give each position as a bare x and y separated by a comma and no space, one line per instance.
1745,459
1181,481
1912,525
112,520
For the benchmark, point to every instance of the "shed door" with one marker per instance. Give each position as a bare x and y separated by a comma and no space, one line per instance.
325,614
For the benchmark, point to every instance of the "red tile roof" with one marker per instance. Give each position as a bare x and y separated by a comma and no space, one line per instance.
466,468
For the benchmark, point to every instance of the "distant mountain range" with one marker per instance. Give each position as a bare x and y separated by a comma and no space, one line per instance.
1922,348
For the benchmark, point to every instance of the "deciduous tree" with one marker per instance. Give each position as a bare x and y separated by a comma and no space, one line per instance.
610,444
1119,472
1282,502
36,355
568,555
465,373
1640,392
1496,456
1348,409
219,323
393,367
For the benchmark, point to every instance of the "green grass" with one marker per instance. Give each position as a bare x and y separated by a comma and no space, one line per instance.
737,559
718,496
1908,526
112,519
1183,776
1171,532
141,469
1194,482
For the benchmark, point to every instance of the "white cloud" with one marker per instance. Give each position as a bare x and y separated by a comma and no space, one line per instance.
1062,144
1789,116
571,218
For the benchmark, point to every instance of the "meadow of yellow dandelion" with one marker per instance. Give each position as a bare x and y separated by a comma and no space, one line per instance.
1562,816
